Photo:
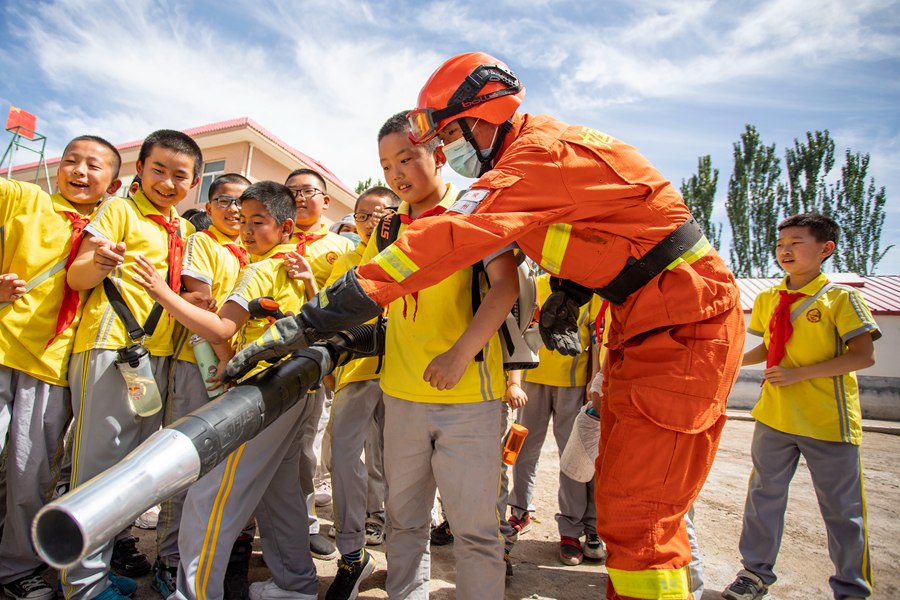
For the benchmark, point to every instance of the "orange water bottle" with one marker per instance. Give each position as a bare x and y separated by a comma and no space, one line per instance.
514,442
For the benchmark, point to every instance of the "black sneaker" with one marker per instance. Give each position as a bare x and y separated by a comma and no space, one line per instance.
321,547
237,582
30,587
441,535
747,586
349,575
509,569
127,560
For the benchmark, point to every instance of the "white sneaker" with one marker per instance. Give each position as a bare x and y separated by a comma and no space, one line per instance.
594,547
374,532
267,590
149,519
323,492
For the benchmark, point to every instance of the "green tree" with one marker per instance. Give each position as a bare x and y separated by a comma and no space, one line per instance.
860,213
808,164
754,195
362,185
699,193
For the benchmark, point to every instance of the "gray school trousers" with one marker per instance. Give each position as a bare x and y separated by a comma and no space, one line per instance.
836,473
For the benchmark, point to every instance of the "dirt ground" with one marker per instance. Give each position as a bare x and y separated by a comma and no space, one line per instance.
803,565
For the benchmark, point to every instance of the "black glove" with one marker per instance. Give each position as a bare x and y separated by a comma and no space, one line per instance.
559,324
282,338
336,308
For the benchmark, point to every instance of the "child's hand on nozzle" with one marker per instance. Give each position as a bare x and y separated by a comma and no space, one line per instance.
146,276
108,255
595,392
11,287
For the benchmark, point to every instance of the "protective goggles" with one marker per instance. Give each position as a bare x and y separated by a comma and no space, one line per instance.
425,122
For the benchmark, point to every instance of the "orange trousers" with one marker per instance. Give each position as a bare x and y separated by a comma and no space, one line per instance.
663,412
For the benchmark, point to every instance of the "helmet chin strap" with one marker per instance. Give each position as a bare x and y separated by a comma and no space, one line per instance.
499,136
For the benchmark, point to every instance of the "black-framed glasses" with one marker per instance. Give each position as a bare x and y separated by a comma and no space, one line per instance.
226,201
362,217
306,193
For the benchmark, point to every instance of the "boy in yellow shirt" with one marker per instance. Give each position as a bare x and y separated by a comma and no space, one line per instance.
107,426
816,335
262,477
39,233
213,259
442,407
321,248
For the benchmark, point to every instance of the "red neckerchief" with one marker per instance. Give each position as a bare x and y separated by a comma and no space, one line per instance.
71,300
781,327
239,252
176,248
306,238
406,220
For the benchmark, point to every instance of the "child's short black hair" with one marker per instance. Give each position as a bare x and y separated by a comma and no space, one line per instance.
277,199
393,200
398,123
821,227
315,174
198,218
225,179
117,158
176,142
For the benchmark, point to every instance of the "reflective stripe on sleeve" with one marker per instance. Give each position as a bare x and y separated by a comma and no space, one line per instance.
395,263
555,244
692,254
652,584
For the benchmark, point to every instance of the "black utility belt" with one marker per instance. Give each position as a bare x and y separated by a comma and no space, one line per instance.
638,272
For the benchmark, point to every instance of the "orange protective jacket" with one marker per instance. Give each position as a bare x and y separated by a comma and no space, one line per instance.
578,202
581,203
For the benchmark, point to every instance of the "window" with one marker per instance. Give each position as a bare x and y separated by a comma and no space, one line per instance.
211,170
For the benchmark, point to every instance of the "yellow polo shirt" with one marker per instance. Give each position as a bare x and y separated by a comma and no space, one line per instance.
207,259
265,276
558,369
420,328
361,369
125,220
323,252
35,240
824,408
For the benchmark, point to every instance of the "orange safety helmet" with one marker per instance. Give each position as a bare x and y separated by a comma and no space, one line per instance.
473,84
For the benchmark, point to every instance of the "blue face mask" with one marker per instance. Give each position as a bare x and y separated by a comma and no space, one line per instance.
462,158
351,236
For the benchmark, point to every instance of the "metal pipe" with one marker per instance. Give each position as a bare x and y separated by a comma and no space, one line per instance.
74,526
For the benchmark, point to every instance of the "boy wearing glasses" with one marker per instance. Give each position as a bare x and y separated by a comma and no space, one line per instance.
213,259
321,248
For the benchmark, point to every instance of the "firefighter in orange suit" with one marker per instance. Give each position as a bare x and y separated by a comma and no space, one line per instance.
597,215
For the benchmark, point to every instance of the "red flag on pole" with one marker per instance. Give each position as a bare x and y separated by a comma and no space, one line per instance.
24,120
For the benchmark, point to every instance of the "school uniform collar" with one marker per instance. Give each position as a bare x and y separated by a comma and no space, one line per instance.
147,208
61,205
322,229
222,238
449,197
809,289
273,251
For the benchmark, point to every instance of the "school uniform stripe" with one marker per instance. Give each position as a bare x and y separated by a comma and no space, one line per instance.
207,554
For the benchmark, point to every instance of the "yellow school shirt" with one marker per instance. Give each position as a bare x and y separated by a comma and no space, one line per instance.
35,239
266,276
824,408
420,329
361,369
125,220
322,253
558,369
207,259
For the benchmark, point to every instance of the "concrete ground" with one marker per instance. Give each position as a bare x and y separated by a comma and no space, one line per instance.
803,564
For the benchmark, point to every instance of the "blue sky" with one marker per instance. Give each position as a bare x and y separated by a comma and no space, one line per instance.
676,79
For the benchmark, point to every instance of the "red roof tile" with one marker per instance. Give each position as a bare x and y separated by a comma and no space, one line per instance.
881,292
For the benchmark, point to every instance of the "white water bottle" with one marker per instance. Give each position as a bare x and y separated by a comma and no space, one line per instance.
133,363
207,362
